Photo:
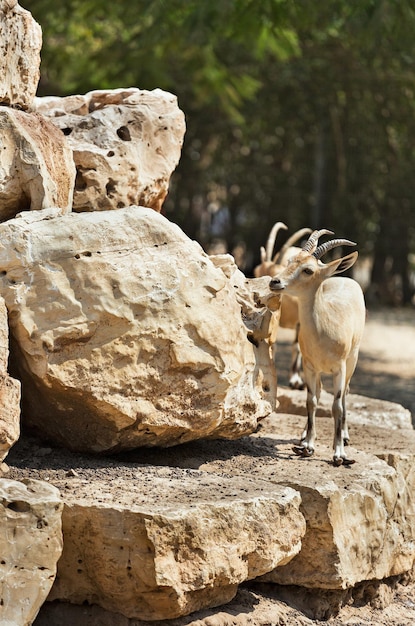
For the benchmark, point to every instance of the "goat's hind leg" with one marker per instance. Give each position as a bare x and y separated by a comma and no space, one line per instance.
296,382
339,414
345,430
308,437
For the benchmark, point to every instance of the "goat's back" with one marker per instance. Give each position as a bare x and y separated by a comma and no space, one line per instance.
331,328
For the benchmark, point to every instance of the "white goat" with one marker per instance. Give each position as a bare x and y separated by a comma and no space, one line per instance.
289,307
332,317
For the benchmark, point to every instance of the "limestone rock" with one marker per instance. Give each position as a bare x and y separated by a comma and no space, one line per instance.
360,523
9,392
126,144
20,45
9,413
133,552
30,546
360,520
37,170
397,449
360,409
124,333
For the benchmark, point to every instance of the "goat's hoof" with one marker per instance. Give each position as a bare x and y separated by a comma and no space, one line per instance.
338,460
298,450
296,384
348,461
302,451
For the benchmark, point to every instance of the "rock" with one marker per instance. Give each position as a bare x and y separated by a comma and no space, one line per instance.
20,45
9,392
126,144
37,170
121,332
9,413
360,409
361,521
134,553
30,546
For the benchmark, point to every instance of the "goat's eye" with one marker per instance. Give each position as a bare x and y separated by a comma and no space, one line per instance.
308,270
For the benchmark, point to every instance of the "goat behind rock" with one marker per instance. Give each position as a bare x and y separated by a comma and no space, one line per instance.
270,264
332,316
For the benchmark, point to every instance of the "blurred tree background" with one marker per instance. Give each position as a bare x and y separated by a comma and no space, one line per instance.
296,111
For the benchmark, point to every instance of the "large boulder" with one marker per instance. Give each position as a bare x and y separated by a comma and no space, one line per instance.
126,144
360,520
164,542
36,164
9,392
124,333
30,546
20,45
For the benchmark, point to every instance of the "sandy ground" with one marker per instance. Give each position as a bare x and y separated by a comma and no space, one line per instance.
386,371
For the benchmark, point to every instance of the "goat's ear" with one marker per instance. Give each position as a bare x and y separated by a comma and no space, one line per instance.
341,265
263,254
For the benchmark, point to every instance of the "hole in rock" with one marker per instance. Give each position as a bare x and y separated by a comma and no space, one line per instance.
110,187
123,133
19,506
80,182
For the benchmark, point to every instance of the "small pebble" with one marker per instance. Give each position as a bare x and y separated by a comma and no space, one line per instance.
72,472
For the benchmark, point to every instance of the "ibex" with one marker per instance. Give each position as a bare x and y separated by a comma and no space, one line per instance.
289,307
332,317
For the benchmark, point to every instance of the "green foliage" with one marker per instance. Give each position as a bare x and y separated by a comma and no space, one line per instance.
296,111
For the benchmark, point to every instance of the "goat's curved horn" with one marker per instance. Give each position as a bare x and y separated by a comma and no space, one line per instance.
290,242
311,244
272,237
329,245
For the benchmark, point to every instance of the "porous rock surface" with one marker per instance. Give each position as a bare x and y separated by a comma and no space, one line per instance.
20,45
126,143
9,392
124,333
141,555
37,170
360,520
30,546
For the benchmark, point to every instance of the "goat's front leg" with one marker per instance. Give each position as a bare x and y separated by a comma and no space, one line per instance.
306,447
339,415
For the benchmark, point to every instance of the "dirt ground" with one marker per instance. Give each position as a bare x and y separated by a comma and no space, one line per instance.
386,370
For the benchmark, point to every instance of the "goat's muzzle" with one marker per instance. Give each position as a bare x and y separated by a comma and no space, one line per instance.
275,284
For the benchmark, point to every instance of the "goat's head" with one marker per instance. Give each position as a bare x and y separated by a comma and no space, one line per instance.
270,264
263,269
305,272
